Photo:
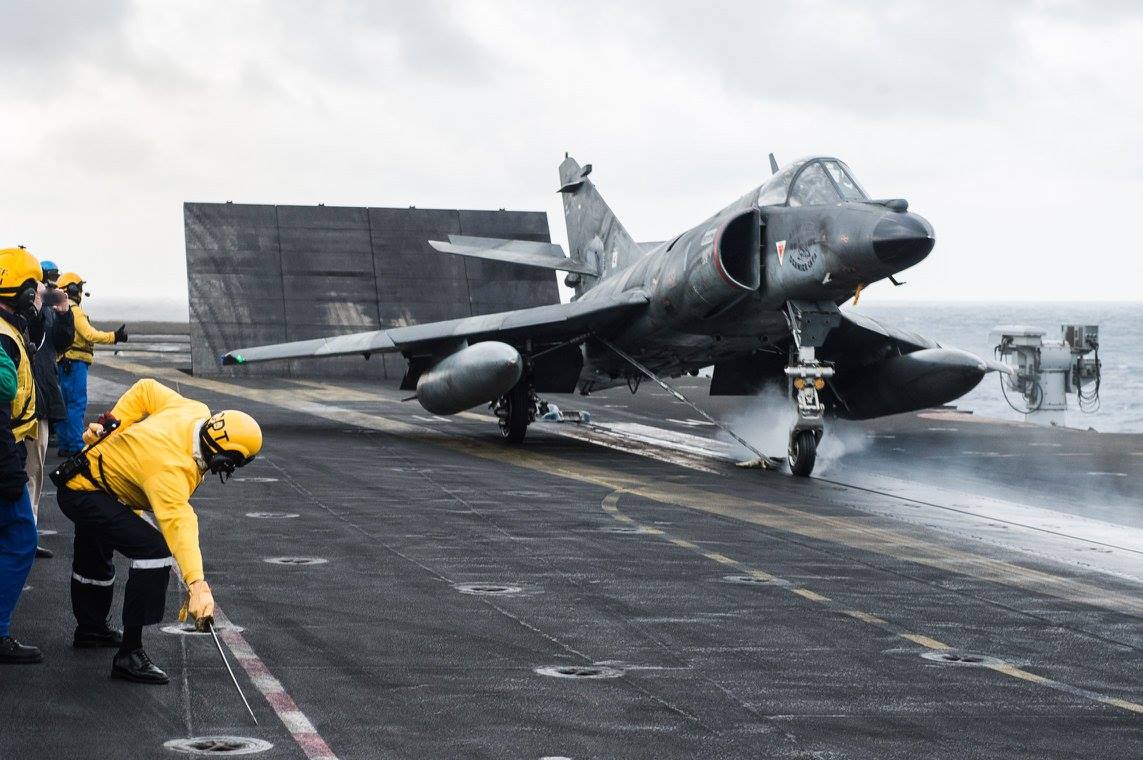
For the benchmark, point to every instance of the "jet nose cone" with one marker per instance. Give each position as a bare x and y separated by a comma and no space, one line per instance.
903,239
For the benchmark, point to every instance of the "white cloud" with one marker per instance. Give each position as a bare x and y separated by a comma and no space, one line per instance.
1014,130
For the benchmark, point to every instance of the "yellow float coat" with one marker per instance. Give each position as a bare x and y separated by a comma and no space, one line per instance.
151,463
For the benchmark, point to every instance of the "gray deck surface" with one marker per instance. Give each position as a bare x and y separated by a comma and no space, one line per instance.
1001,540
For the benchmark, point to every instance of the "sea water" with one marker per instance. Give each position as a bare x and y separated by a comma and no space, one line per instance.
968,326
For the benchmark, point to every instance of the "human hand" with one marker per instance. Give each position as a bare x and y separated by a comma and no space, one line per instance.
93,433
57,299
200,603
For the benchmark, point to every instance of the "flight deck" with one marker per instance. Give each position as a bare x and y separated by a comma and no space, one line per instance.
397,584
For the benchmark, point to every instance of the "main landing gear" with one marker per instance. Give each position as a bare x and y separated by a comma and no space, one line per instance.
517,409
810,323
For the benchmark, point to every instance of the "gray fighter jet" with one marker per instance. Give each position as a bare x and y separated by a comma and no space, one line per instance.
753,290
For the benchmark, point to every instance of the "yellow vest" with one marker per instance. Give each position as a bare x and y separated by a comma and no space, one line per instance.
85,335
24,404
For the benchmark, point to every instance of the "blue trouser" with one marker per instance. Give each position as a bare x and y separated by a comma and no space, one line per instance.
73,386
17,553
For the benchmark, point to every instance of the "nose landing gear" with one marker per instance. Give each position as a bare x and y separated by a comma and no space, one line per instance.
810,323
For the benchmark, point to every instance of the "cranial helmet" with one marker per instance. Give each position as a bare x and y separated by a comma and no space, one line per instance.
72,283
230,439
51,271
20,275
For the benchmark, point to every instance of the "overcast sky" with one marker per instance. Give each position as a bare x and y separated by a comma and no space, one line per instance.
1014,127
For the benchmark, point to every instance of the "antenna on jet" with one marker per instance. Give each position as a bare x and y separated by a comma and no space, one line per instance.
773,164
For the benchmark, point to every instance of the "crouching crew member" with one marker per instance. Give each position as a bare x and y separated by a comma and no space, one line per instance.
76,362
19,272
153,461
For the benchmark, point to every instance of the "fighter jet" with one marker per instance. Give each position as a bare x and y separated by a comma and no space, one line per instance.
753,290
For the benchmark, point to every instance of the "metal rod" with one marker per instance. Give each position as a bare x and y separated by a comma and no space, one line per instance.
679,396
234,678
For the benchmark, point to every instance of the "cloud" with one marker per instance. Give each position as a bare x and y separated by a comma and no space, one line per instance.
45,36
995,121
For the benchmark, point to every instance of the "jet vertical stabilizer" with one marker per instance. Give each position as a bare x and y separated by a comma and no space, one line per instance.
595,236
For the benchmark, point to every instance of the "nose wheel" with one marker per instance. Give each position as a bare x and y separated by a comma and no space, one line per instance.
802,453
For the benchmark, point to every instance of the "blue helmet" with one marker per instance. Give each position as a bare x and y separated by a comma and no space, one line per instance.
51,271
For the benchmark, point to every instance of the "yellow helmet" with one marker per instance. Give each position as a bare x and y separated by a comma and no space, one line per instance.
19,272
69,278
230,439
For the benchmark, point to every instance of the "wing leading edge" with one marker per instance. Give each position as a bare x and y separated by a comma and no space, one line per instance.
522,252
560,321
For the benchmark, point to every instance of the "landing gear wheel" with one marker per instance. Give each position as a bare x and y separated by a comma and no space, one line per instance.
803,452
516,415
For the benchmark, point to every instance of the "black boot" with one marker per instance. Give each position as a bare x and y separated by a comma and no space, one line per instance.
42,553
108,638
15,653
137,666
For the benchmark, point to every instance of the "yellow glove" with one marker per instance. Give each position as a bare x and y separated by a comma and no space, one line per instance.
199,604
93,433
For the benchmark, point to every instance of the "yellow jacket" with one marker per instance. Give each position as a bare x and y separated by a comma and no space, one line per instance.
85,336
152,463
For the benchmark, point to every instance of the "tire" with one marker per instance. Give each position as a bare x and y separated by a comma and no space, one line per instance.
514,425
803,453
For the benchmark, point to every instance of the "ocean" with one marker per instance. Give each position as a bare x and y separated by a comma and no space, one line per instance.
967,326
963,325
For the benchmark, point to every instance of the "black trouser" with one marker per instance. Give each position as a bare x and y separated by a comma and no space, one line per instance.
103,526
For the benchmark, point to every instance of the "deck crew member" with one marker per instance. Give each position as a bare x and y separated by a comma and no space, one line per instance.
52,331
75,363
19,277
163,448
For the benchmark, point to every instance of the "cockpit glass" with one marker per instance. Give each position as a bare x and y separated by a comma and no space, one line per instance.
777,189
813,188
850,190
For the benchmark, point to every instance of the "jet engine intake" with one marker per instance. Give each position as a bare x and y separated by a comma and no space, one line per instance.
905,383
723,263
474,375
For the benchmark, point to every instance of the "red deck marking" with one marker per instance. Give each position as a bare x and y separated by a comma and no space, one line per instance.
295,721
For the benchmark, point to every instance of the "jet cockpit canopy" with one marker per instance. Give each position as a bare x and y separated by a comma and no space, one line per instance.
817,181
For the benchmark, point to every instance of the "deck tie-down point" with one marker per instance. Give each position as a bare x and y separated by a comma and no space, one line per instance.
218,745
580,671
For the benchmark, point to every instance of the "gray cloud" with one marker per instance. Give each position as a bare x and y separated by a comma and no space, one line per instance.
39,34
988,118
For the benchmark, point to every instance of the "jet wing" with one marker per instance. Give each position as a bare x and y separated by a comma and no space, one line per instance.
524,252
559,321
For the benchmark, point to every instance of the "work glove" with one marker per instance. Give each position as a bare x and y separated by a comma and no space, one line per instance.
199,604
121,334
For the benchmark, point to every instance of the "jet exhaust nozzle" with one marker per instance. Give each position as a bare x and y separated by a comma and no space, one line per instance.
474,375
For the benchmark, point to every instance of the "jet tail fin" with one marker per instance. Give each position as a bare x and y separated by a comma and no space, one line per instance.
595,236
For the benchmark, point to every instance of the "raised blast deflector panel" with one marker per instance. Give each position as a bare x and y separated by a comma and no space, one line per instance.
919,380
270,274
476,374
